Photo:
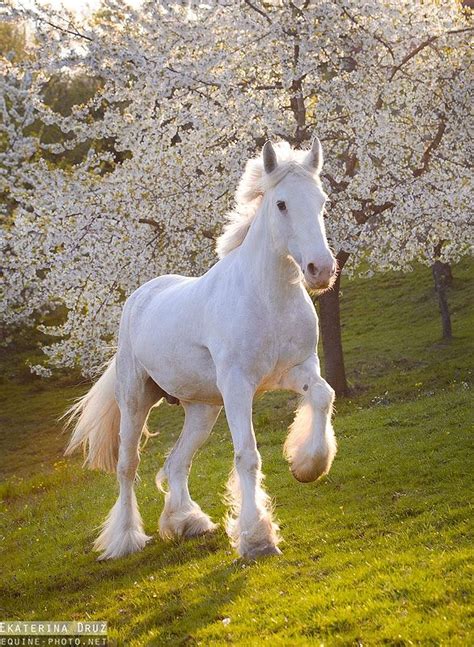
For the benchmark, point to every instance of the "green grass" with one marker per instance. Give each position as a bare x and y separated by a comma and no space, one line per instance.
378,553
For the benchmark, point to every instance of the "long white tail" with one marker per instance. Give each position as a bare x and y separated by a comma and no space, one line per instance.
96,420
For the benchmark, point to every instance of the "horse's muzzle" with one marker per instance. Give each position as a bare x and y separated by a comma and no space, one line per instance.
320,279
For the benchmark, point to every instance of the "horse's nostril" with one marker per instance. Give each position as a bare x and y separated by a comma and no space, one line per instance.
312,269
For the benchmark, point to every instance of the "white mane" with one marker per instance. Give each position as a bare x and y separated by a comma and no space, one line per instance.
253,184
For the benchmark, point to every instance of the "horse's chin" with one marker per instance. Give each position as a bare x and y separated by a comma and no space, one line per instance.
317,290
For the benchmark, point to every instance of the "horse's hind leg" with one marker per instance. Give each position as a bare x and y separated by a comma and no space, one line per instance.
311,445
122,533
181,516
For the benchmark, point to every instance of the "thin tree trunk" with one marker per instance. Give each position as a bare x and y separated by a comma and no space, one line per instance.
330,322
442,278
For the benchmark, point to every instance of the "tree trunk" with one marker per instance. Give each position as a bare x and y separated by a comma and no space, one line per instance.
330,321
442,279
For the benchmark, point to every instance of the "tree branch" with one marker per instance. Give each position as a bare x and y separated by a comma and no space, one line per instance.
425,160
259,11
377,38
369,209
63,29
412,54
422,46
153,223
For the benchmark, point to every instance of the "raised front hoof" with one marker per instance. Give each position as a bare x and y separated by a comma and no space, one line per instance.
310,470
186,524
126,544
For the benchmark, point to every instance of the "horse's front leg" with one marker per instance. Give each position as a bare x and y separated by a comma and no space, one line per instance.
250,525
311,445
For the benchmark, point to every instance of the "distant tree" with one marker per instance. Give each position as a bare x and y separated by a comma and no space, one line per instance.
383,85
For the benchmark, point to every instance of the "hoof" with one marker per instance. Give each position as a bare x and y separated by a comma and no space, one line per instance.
130,542
198,527
259,540
306,477
262,551
185,524
311,469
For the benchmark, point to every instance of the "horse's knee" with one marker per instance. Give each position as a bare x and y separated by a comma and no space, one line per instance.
322,395
248,460
127,467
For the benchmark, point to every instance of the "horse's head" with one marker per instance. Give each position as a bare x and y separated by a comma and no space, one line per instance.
295,204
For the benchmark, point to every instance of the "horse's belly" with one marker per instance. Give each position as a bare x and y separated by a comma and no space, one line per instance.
193,387
188,374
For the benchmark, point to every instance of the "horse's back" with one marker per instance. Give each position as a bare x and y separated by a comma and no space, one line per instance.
153,287
144,298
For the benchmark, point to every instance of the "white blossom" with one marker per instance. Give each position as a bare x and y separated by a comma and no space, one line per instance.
186,97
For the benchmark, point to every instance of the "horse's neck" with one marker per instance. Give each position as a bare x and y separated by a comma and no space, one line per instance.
271,273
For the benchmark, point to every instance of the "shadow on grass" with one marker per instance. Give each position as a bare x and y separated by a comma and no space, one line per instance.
169,591
156,555
181,614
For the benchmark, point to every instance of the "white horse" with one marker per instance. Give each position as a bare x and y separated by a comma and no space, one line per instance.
245,327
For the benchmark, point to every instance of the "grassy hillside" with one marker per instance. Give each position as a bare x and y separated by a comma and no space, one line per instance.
377,553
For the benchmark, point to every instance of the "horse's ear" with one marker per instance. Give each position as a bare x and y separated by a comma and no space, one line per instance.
315,156
269,157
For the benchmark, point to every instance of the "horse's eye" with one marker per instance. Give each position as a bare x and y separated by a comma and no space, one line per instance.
281,205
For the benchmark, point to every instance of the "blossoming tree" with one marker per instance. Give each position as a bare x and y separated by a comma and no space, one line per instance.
186,97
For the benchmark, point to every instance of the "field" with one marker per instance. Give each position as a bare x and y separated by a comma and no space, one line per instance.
376,554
